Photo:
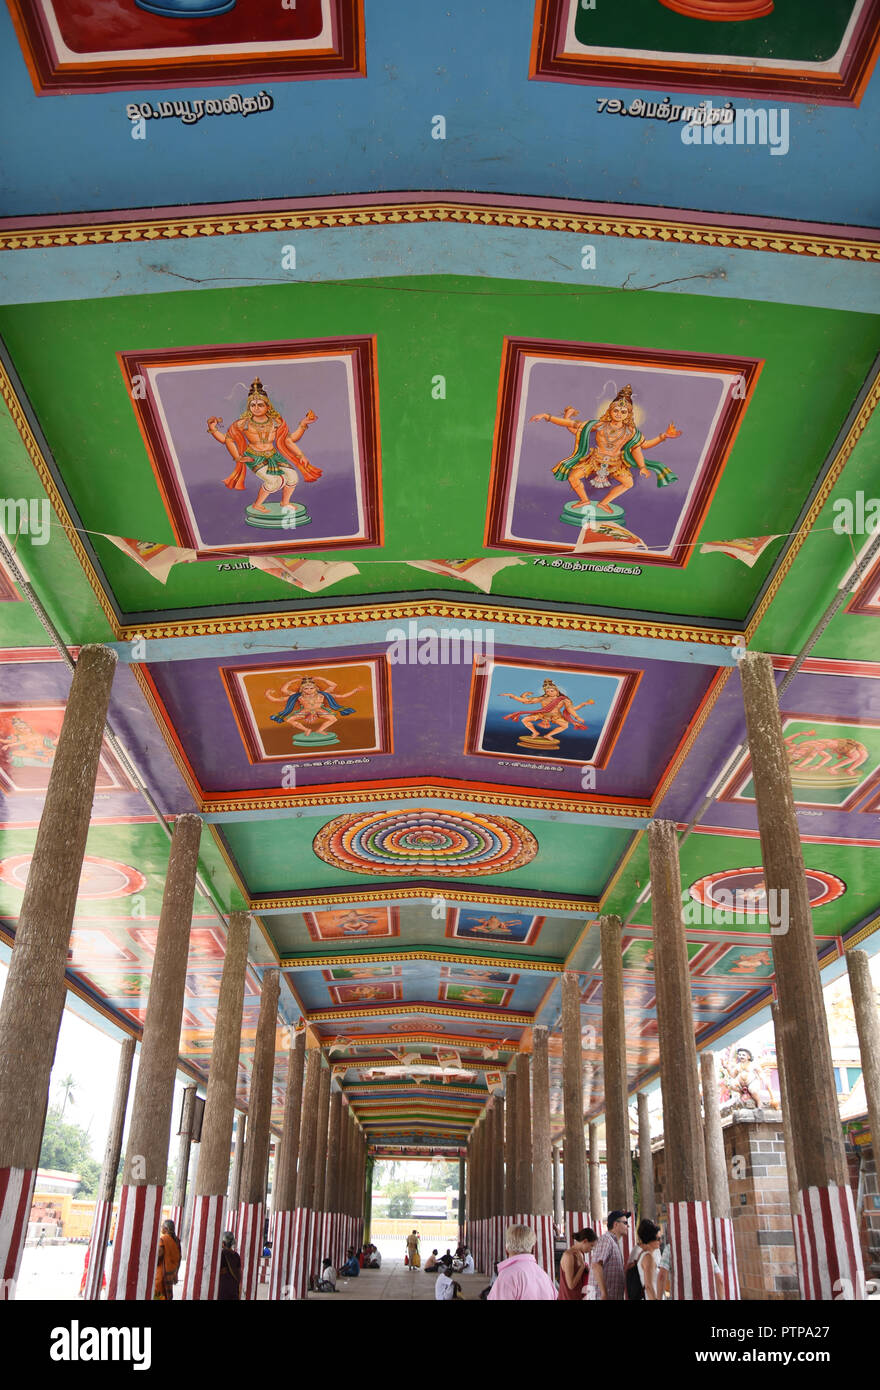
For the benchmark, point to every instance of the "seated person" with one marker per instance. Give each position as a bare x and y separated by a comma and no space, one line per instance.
445,1287
374,1258
432,1264
446,1260
352,1267
467,1264
326,1281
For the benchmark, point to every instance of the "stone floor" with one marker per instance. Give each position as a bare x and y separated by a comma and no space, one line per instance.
396,1282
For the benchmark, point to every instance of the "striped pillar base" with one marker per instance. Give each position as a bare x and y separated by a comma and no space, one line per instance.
203,1251
251,1216
690,1235
830,1258
280,1276
136,1245
544,1251
725,1254
578,1221
16,1193
98,1249
300,1256
498,1252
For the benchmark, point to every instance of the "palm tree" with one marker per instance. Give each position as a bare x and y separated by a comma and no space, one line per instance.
68,1086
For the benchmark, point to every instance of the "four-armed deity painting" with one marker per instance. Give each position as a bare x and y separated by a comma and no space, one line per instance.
331,705
611,451
548,712
352,922
268,447
107,45
821,53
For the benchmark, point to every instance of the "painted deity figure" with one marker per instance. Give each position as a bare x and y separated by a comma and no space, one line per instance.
26,747
306,704
498,926
260,440
746,1079
607,451
555,714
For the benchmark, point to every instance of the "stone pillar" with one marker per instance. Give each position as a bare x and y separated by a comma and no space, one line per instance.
716,1170
523,1141
596,1212
687,1186
178,1199
212,1174
146,1159
575,1172
319,1190
462,1201
542,1159
235,1175
33,1001
510,1149
618,1158
558,1215
498,1251
305,1177
368,1198
868,1029
648,1205
284,1194
252,1211
107,1187
331,1181
832,1267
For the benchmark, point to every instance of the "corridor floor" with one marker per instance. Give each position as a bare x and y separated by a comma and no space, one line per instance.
395,1281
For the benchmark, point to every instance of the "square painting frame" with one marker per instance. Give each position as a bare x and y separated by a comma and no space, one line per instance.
353,995
454,993
454,927
336,50
390,917
143,372
110,769
481,688
234,680
557,55
509,480
742,773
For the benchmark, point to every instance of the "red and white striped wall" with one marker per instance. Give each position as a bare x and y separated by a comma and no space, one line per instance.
16,1195
322,1241
690,1234
136,1246
202,1277
497,1251
578,1221
830,1258
725,1254
98,1249
251,1217
544,1251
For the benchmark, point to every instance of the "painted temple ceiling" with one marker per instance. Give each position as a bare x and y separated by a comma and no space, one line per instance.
426,777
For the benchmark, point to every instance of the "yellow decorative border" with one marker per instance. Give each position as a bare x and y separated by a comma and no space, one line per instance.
417,953
344,898
434,793
841,458
862,934
516,1020
38,236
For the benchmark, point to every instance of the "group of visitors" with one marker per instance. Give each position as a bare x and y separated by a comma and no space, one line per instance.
592,1267
368,1257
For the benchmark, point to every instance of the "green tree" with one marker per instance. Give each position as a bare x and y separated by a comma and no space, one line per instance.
400,1202
442,1176
68,1086
67,1149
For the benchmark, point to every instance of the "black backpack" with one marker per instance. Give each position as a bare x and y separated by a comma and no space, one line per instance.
634,1287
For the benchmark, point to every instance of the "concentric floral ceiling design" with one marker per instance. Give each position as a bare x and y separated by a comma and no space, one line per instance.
425,842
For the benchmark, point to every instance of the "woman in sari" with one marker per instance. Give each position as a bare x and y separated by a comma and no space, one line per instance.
167,1264
412,1250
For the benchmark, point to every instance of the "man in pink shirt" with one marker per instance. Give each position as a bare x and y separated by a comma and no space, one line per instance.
520,1276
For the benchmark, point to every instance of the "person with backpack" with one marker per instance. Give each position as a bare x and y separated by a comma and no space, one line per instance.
641,1267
